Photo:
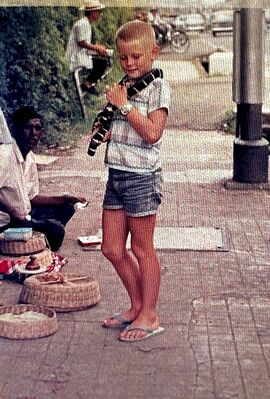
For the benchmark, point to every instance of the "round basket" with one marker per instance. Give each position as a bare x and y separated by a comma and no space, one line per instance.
61,292
18,248
28,329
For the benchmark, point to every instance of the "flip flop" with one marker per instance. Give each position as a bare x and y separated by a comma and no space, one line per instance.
149,333
122,322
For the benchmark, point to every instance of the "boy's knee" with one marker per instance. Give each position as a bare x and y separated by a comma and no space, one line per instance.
141,251
113,254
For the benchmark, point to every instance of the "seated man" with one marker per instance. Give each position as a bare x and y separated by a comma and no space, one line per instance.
19,186
81,51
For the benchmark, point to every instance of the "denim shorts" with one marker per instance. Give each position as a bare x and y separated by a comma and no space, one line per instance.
138,194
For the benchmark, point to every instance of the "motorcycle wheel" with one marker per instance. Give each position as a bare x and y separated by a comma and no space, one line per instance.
180,42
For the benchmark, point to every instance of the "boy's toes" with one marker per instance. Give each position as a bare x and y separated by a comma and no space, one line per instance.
116,321
132,334
138,333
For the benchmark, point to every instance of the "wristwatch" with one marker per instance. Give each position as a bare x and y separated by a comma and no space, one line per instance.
126,108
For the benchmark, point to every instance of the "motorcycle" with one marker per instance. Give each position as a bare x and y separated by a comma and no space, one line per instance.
173,36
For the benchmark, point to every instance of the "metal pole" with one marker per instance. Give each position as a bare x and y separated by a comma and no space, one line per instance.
250,152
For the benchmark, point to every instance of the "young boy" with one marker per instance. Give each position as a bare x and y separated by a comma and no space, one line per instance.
133,190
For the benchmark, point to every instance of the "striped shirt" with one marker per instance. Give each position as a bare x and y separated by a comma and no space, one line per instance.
127,150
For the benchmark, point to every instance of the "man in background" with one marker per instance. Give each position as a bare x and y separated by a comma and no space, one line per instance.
161,28
81,52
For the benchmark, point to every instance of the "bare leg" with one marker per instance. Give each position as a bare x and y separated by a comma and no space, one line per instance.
142,234
115,231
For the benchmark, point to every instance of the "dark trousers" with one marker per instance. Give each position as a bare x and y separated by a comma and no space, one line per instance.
160,30
61,213
49,220
99,67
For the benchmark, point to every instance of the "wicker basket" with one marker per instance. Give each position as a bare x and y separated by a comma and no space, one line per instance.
28,329
18,248
70,292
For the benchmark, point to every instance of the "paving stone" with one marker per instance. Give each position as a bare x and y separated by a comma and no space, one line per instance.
214,306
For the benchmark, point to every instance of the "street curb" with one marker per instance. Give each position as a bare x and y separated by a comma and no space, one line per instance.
188,71
233,185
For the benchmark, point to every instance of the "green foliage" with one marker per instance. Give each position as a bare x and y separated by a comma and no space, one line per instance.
105,29
34,63
33,68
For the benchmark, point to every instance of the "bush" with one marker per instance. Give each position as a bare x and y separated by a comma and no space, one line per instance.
33,68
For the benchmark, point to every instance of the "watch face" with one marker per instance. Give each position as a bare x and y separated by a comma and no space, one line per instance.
126,109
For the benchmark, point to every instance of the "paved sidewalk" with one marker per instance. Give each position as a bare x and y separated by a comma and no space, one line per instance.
214,305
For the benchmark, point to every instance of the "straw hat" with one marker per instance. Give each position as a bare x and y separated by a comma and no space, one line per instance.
92,6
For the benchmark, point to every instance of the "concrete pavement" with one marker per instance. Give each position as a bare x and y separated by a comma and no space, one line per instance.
214,305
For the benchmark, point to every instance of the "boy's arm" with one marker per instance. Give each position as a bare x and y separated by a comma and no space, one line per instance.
149,127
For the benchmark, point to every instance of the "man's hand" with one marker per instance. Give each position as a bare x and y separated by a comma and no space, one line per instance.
93,47
57,200
100,49
15,213
72,199
117,95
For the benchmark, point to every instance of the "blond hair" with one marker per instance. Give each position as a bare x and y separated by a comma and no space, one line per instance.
136,30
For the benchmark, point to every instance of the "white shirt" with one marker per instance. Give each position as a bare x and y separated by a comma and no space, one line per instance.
18,181
5,136
79,56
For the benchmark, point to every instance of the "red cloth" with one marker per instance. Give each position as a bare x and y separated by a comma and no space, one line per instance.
57,263
7,266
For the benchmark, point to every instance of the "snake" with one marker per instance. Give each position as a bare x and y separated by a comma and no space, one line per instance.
104,118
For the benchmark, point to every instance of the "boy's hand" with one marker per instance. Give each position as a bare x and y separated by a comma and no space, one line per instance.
107,137
95,129
117,95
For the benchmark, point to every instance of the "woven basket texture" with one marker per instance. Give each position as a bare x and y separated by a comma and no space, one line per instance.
76,293
17,248
28,329
44,258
